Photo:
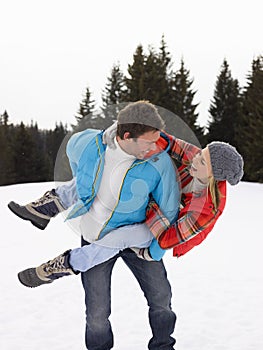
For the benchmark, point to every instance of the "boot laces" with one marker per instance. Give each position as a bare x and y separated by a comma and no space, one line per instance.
56,265
44,199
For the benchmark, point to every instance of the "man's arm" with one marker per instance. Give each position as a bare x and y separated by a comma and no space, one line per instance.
166,192
167,197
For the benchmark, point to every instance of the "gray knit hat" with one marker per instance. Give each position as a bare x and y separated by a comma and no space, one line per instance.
227,163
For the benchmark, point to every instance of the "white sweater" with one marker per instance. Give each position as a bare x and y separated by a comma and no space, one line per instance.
117,162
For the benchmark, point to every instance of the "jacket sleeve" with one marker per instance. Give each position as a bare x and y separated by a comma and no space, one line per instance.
167,196
156,221
76,145
193,225
181,150
189,231
197,237
188,226
191,228
166,192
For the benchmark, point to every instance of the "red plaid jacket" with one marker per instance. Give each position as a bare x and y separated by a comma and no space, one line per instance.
197,216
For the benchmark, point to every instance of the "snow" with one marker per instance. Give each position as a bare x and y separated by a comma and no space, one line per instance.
217,287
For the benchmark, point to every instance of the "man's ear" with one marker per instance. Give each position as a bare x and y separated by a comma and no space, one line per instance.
126,135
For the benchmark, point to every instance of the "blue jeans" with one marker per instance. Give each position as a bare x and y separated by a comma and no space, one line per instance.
153,281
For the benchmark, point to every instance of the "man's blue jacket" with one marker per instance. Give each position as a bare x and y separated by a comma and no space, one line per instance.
154,177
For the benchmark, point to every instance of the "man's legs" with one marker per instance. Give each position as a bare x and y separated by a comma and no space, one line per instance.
153,281
97,286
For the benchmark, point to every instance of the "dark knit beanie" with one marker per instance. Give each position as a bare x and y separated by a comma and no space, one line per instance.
227,163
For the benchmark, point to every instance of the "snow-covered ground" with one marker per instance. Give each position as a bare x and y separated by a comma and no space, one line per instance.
217,287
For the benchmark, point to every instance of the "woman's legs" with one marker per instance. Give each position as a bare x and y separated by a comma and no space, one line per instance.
88,256
67,193
84,258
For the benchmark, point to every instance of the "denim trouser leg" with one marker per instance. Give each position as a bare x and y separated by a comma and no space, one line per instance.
97,286
153,281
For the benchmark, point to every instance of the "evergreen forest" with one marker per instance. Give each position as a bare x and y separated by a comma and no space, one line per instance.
235,115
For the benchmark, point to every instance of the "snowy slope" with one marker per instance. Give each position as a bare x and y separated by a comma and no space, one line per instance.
217,287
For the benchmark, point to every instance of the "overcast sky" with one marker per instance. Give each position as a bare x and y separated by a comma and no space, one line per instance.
52,50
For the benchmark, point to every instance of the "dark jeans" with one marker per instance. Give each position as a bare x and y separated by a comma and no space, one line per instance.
153,281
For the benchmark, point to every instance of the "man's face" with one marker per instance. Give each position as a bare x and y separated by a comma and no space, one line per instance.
143,144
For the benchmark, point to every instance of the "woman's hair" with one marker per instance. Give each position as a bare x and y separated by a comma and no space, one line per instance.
214,191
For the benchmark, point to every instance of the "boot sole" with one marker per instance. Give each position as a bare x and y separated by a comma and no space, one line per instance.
29,279
24,214
22,282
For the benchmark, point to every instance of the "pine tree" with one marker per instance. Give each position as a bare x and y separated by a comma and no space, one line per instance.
84,115
6,162
53,140
135,83
22,154
29,160
250,126
41,163
112,97
156,84
114,89
164,56
183,97
56,142
148,76
148,79
164,64
5,118
181,101
225,107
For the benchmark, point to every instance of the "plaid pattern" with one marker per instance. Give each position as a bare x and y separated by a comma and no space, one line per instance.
156,221
182,152
197,217
204,222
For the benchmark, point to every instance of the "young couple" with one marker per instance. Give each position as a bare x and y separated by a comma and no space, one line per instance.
125,189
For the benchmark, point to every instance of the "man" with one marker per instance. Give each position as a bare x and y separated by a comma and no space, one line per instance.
114,187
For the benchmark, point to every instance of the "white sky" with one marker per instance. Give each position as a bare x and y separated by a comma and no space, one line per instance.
52,50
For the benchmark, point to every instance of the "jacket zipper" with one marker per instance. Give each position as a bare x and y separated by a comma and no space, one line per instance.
119,194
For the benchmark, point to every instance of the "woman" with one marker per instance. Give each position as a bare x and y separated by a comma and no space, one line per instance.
202,174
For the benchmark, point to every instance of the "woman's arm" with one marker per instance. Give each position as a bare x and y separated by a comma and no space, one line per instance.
195,221
181,150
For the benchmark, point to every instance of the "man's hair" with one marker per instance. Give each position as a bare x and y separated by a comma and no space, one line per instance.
137,118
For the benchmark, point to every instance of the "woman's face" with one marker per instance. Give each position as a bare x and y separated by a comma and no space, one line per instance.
201,165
